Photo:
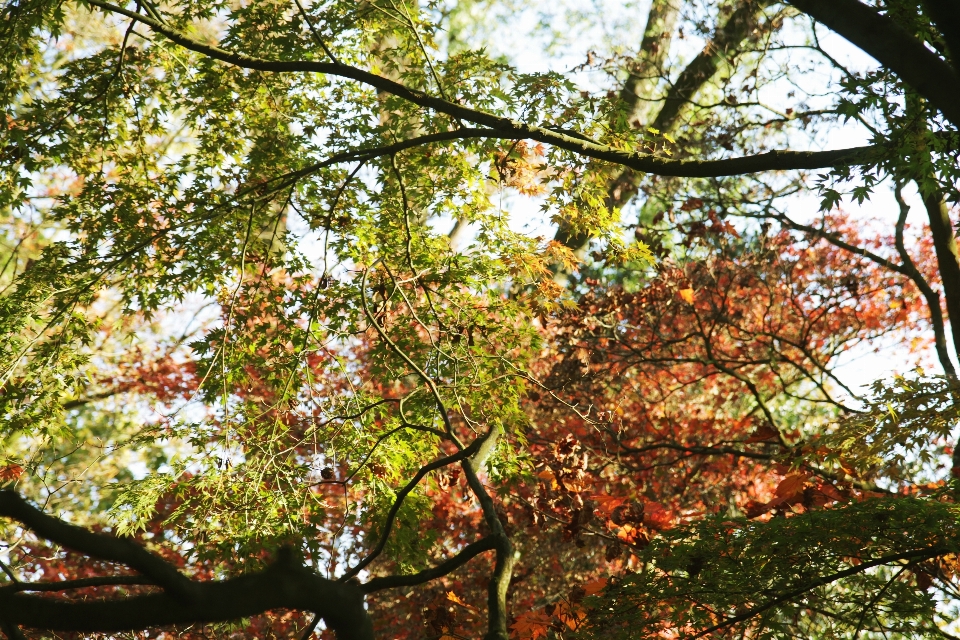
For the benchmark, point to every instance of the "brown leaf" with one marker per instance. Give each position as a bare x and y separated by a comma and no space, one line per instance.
791,485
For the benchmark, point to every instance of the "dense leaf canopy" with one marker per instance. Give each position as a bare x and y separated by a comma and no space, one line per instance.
279,358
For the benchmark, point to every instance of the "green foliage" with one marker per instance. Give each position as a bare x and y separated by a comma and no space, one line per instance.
848,571
905,427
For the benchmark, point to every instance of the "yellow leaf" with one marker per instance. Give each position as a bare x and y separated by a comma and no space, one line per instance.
550,289
687,295
653,131
452,597
669,138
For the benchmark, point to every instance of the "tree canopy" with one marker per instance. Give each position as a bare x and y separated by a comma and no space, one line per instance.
278,360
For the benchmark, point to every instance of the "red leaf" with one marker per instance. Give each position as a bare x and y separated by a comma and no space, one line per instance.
10,472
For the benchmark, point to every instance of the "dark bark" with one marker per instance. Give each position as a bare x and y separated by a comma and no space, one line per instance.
286,584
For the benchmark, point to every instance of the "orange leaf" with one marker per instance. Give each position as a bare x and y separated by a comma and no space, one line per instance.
791,485
595,586
530,626
606,504
452,597
687,295
11,472
655,516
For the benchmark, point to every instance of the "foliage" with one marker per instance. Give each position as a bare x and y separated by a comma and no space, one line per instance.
265,313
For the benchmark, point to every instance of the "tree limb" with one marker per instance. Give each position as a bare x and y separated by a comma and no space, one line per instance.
892,46
932,297
513,129
463,454
97,545
285,584
467,554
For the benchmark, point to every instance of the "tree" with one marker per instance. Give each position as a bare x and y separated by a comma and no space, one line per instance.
244,361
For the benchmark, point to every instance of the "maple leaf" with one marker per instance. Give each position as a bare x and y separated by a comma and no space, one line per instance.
453,597
655,516
11,472
791,485
595,586
687,295
531,625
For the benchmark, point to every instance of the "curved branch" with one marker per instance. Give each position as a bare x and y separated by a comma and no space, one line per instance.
283,585
467,554
98,545
513,129
894,47
932,297
401,495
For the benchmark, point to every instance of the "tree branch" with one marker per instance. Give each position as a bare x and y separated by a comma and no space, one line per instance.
513,129
932,297
506,557
892,46
467,554
105,547
463,454
285,584
948,257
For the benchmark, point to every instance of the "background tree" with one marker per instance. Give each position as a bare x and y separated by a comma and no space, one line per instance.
252,381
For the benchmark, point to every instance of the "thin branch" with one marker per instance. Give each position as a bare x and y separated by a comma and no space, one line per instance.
932,297
80,583
883,38
920,554
398,502
446,567
310,628
513,129
315,33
